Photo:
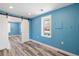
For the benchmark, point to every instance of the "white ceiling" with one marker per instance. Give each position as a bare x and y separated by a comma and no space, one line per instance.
22,9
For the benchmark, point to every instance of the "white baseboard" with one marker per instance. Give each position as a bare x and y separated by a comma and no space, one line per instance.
68,53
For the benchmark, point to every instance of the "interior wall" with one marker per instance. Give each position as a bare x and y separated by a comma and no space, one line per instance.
4,42
14,19
15,28
65,28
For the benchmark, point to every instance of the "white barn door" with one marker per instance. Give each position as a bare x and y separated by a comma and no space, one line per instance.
4,42
25,30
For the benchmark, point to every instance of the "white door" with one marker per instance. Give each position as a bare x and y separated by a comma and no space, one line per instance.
4,42
25,30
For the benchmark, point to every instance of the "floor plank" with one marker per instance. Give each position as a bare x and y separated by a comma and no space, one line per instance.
29,48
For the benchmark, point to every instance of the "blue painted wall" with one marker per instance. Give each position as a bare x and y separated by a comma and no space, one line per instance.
15,28
65,27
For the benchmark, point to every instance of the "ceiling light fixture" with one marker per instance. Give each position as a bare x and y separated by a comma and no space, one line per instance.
29,13
11,7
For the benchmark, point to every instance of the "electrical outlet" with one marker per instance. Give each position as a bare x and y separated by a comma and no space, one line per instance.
62,42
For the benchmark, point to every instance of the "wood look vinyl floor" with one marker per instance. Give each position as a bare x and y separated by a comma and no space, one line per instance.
29,48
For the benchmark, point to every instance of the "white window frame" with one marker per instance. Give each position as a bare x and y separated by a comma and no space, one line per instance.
43,26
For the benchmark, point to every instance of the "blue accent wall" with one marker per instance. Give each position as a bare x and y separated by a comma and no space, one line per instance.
65,27
15,28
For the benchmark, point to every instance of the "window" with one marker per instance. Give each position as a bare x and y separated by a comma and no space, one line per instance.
46,26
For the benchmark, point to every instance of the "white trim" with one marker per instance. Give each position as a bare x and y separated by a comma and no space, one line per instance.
68,53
